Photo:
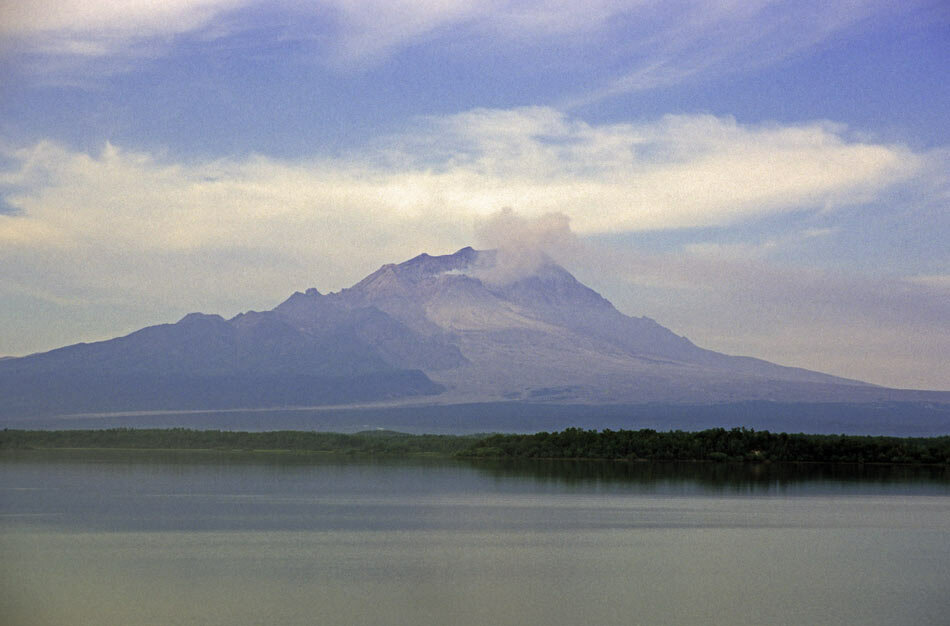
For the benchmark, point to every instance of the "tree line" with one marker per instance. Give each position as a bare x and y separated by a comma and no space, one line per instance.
368,442
717,444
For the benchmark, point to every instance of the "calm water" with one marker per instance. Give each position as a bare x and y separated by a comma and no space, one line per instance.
112,538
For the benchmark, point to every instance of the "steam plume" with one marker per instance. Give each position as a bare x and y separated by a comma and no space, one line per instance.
523,244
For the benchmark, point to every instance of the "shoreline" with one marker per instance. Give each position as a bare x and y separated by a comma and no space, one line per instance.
714,446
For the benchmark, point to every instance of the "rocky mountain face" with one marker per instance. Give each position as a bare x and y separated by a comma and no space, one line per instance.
447,329
542,335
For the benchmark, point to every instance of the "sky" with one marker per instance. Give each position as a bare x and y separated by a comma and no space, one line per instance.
766,177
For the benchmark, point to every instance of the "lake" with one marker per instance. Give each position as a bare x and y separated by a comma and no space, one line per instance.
200,538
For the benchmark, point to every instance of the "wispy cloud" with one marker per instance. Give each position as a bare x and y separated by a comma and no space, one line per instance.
79,42
357,32
101,27
130,17
647,44
696,40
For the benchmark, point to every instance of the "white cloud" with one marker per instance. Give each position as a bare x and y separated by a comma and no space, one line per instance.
129,229
680,171
123,224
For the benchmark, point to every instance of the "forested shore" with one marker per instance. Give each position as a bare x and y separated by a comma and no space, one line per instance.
717,444
713,445
369,442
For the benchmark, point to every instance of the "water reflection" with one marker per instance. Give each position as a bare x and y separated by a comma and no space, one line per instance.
645,477
732,478
111,537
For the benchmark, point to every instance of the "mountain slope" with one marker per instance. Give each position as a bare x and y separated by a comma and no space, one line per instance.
546,335
206,362
446,329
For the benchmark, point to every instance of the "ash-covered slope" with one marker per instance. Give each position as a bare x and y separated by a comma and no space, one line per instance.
449,329
541,334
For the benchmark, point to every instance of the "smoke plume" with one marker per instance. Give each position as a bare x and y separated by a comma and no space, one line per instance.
523,245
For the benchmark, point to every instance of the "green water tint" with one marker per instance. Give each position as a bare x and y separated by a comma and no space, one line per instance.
109,537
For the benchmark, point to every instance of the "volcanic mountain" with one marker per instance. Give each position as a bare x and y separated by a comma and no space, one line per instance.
435,329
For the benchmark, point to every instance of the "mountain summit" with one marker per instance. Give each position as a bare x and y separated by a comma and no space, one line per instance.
533,331
473,326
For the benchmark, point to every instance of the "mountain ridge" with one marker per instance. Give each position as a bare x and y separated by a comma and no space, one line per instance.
452,328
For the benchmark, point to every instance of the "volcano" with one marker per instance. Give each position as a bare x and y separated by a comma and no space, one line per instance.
458,328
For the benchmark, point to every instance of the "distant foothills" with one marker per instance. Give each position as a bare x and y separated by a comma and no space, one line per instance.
457,330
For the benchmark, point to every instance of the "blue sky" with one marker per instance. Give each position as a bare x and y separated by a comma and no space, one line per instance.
767,178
